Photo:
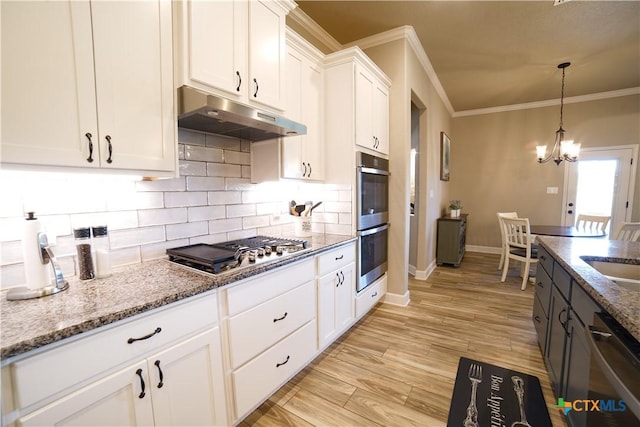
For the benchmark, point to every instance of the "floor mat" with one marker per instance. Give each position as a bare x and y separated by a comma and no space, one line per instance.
486,395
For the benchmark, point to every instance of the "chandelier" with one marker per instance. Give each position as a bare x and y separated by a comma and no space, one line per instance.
562,149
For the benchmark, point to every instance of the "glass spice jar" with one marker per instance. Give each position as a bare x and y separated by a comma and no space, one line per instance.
101,245
82,237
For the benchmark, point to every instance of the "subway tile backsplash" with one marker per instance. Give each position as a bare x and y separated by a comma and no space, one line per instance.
211,201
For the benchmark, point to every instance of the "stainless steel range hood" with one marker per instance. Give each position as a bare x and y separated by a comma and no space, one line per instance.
203,112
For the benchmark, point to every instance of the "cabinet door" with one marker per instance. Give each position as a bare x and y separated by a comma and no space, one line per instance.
187,382
48,87
302,156
576,369
216,45
116,400
326,307
381,119
364,109
312,117
292,146
134,84
345,297
556,337
266,53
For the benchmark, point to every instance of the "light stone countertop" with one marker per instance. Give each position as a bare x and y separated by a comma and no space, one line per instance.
134,289
622,303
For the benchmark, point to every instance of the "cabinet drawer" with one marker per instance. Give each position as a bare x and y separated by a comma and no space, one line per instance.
259,328
260,377
255,291
336,259
583,305
540,321
562,280
56,370
545,260
371,295
543,289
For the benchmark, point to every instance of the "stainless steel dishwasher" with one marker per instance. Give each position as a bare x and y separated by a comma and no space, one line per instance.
614,380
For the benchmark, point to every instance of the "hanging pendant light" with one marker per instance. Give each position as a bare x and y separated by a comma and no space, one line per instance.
562,149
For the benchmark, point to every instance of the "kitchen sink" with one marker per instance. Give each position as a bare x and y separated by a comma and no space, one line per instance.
623,273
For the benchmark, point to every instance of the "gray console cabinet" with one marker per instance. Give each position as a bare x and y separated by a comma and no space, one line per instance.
450,246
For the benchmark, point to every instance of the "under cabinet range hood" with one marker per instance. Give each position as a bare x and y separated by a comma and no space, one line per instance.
203,112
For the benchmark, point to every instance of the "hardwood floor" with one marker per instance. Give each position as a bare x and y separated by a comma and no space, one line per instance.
397,365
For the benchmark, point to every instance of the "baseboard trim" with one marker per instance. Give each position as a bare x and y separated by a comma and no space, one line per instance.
483,249
397,299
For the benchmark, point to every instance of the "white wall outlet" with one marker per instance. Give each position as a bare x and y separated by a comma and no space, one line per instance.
552,190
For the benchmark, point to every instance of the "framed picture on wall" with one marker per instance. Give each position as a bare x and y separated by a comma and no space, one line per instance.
445,156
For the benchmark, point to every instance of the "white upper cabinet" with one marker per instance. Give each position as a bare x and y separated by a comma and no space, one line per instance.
297,157
234,48
357,100
303,156
88,84
372,111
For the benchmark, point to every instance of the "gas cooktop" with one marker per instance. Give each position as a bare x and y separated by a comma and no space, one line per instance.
230,256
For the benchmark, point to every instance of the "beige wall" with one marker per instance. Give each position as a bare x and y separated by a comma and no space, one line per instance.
493,159
410,83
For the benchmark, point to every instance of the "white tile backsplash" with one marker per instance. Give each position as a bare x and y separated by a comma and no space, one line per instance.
211,201
162,216
190,198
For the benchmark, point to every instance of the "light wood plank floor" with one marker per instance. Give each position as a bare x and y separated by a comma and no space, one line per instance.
397,365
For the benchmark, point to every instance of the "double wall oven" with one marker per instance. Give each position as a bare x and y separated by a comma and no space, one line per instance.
372,204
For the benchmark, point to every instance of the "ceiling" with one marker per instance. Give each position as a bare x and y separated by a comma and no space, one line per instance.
498,53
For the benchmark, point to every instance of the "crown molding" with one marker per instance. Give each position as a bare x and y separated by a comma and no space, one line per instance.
407,32
550,102
298,16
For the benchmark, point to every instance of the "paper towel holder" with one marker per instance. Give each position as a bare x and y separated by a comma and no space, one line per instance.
59,284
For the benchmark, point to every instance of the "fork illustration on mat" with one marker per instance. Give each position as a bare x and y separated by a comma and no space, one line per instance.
475,376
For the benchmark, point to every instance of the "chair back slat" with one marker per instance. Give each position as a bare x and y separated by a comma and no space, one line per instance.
592,222
629,231
517,232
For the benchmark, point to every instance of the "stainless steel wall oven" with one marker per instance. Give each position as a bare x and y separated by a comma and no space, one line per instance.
372,204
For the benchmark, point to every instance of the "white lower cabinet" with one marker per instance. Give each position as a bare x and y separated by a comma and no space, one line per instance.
336,293
366,299
270,321
174,387
164,368
263,375
113,400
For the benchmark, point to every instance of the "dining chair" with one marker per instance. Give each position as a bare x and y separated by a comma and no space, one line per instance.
629,231
592,222
503,241
519,247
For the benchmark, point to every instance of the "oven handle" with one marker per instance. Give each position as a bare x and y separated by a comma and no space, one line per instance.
373,171
370,231
630,400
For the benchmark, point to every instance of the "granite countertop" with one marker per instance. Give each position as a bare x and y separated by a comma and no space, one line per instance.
131,290
622,303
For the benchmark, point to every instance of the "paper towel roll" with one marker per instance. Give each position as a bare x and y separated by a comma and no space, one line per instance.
35,270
